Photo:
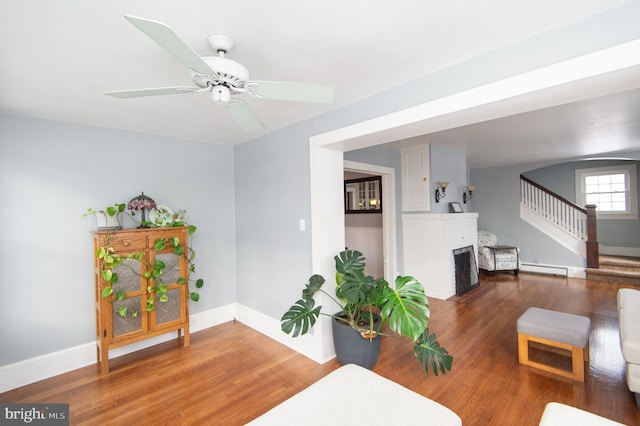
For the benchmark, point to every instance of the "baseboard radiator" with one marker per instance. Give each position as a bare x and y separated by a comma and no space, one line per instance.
537,268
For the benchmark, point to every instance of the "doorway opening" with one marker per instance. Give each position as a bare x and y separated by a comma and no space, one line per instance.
375,235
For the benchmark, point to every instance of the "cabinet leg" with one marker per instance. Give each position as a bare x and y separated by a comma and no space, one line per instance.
104,360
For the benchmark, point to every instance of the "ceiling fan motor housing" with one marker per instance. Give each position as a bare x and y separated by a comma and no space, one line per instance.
230,73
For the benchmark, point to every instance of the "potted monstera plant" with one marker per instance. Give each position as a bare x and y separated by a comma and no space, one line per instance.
368,306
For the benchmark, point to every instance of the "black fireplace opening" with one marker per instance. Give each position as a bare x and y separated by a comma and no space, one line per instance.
466,270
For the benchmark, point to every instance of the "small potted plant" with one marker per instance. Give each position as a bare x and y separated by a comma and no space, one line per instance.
108,219
362,299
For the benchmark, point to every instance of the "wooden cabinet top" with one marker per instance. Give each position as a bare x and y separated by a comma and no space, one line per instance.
139,230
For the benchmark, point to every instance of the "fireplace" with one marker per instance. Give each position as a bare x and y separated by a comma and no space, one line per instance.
428,242
466,270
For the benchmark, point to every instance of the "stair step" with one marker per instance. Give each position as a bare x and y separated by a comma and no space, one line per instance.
615,276
620,263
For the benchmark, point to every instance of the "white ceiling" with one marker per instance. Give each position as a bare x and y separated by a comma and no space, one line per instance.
59,57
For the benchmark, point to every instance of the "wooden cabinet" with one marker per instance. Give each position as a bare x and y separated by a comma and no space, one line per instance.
150,295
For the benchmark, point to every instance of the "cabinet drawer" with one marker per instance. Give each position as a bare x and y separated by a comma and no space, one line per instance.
128,242
167,234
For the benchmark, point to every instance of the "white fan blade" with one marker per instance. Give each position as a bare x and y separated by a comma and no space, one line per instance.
287,91
244,116
151,92
172,43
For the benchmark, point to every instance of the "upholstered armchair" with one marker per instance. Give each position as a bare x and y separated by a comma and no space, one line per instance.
495,257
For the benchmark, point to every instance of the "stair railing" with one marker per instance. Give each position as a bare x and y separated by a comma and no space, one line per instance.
577,221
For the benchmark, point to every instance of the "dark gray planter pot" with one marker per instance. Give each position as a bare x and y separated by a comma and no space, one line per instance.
351,347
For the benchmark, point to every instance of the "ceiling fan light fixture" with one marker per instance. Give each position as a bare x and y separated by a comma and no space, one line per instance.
221,94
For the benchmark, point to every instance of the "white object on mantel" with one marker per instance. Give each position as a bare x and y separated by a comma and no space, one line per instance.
429,241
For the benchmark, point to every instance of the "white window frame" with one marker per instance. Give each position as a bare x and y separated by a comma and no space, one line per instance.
631,189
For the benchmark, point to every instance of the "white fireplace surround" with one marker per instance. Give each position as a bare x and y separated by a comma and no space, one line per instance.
429,241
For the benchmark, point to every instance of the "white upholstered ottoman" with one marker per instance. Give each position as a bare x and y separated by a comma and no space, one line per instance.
556,414
354,395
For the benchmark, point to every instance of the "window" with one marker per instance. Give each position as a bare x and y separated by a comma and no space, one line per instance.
611,189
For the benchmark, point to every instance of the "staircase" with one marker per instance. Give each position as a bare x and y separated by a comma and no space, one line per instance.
616,269
576,229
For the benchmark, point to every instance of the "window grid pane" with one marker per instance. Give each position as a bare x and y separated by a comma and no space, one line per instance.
608,192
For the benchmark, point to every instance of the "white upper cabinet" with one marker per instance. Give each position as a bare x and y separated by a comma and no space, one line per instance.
416,195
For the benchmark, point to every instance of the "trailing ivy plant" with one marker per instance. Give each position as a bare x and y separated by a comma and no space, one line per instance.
109,210
109,261
179,250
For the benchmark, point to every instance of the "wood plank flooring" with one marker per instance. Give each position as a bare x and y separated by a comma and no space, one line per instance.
231,374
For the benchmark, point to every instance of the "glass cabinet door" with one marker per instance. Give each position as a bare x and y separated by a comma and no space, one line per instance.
127,314
170,309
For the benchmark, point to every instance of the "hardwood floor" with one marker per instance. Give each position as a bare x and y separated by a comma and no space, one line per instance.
231,374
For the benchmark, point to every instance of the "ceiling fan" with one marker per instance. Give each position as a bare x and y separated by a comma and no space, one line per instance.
222,77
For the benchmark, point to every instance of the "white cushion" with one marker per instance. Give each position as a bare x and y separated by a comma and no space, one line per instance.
628,298
557,326
352,395
556,414
630,334
633,377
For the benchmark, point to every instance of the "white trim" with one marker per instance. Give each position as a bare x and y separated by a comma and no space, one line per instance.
596,64
270,327
41,367
327,237
52,364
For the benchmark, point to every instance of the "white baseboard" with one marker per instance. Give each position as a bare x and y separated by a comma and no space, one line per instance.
42,367
308,345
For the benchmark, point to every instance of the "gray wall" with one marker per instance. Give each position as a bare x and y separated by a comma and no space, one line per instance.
560,179
447,166
272,196
50,173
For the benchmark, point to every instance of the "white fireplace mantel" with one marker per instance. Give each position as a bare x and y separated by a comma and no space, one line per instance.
429,241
